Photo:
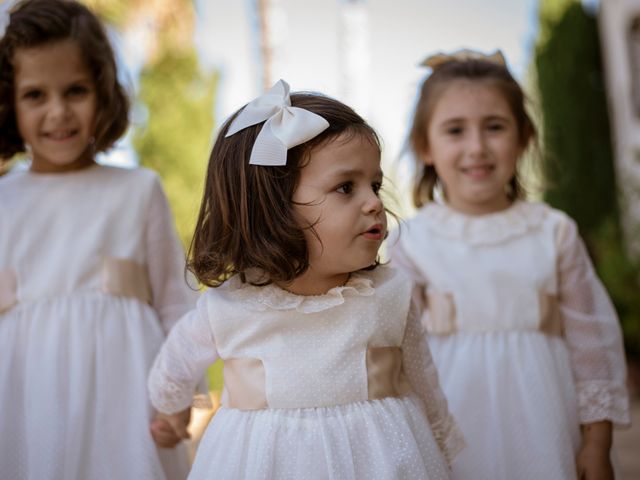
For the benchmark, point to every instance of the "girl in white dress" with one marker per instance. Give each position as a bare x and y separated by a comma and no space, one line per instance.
326,368
524,336
91,271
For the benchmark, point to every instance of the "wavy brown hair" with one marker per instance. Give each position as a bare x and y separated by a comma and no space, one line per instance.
432,88
246,218
34,23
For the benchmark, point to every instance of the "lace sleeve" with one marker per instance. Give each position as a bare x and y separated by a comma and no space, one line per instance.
592,333
182,361
171,296
423,378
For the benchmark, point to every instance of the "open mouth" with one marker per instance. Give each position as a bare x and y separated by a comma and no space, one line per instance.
376,232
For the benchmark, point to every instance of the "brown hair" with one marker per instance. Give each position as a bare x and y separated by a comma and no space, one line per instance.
246,218
38,22
442,76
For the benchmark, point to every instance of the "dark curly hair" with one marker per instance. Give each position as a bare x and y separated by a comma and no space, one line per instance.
37,22
246,218
475,70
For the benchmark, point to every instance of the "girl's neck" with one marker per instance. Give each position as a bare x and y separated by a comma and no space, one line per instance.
310,283
85,161
479,209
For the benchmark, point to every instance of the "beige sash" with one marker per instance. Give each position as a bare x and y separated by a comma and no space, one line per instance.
385,377
125,278
8,289
441,318
244,384
441,313
245,389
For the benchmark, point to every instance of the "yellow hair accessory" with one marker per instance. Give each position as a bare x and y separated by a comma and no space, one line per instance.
439,59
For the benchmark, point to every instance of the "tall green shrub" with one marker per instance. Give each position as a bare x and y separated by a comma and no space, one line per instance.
578,162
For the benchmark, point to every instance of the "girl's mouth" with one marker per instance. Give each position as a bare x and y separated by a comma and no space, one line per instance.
376,232
478,171
60,135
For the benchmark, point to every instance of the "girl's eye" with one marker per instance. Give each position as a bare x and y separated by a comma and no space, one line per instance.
77,90
345,188
496,127
454,130
33,95
376,186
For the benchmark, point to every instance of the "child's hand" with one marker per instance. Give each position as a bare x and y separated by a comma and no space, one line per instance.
169,430
593,461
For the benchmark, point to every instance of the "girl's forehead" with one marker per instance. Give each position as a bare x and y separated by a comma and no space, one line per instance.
346,153
61,61
470,98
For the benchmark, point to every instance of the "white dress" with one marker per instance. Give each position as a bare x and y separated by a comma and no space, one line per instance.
525,339
336,386
91,280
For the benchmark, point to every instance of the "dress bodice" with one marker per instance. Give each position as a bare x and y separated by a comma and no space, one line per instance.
312,351
492,272
58,229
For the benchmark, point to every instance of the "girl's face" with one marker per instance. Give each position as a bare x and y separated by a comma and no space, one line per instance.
338,193
473,143
55,104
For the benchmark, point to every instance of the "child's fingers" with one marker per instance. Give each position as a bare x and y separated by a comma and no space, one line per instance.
163,434
165,440
180,428
179,421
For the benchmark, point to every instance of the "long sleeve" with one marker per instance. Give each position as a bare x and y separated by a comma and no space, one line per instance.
423,377
592,332
171,296
400,259
182,361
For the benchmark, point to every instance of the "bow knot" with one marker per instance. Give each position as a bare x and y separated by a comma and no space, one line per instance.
284,128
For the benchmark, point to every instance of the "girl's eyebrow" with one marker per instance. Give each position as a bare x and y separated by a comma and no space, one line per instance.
498,117
37,84
352,172
463,119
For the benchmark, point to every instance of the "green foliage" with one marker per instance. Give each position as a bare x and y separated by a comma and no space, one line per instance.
112,11
175,140
620,275
215,377
578,161
576,126
551,11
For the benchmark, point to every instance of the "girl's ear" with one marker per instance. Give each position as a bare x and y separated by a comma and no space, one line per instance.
425,157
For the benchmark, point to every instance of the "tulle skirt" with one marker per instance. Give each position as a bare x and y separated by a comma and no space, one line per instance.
513,396
73,391
381,439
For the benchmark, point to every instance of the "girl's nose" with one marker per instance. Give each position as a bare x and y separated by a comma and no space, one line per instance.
58,108
373,204
477,147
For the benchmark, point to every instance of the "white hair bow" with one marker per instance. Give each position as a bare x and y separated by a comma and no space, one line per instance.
285,126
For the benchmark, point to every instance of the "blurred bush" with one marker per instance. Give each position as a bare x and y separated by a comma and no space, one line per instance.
578,161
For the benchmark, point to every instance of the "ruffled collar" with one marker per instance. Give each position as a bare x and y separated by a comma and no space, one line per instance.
490,229
275,298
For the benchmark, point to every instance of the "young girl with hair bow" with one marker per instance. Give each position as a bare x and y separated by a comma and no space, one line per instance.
326,369
91,269
525,338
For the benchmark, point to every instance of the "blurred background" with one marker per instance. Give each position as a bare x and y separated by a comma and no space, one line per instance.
188,64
